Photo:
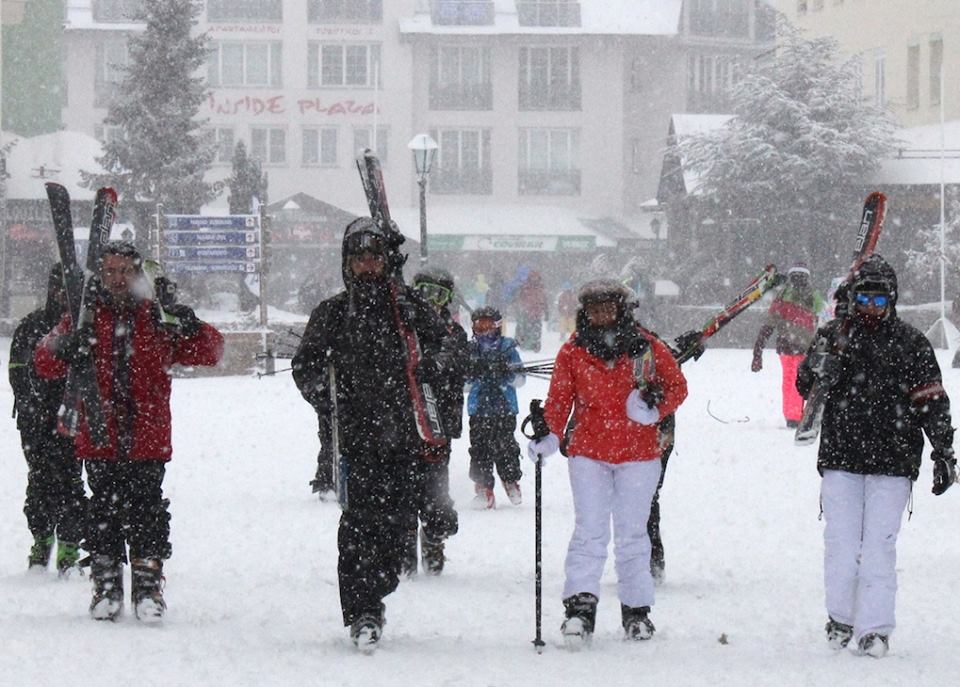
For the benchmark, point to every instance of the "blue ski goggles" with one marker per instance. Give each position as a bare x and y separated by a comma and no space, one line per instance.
879,300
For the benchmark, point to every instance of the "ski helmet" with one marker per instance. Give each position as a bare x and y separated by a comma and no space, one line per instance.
486,313
602,290
875,276
435,284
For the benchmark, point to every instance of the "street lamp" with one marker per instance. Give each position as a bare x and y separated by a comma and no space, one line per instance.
424,150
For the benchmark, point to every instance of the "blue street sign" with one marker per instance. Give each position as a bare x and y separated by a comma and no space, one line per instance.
210,267
213,253
201,223
209,238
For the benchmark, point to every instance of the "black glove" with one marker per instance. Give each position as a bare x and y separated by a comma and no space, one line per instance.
166,292
73,347
189,322
692,340
826,366
944,470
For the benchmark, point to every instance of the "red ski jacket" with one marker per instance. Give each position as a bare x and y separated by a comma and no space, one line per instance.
154,350
597,393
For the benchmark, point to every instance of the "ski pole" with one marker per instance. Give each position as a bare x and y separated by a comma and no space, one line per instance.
540,430
260,375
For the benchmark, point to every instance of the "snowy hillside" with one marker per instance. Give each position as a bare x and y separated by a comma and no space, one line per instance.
252,583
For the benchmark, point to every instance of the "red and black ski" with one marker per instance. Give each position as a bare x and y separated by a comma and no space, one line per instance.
426,412
753,292
82,391
868,233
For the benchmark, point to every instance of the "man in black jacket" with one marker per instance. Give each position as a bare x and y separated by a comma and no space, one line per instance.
357,340
885,393
55,504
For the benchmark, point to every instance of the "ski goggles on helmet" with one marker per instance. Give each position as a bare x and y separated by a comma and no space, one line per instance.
484,326
435,293
879,300
364,242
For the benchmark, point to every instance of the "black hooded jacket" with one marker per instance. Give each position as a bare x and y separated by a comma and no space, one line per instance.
356,331
888,394
36,400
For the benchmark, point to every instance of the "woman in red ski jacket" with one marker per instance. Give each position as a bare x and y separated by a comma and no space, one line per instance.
619,381
132,354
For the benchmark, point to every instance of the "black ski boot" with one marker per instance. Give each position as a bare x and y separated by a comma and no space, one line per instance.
107,575
581,611
365,631
637,625
838,634
147,589
39,556
431,552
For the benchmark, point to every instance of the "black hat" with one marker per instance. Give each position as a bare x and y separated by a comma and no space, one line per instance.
124,248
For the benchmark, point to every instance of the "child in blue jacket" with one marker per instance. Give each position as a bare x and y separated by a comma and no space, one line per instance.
492,381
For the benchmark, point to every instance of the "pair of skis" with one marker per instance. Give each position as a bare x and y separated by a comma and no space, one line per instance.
81,285
868,233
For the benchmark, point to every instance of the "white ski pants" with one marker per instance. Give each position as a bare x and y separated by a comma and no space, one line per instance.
863,515
622,493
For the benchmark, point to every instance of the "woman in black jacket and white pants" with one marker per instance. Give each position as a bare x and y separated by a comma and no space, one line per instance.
885,393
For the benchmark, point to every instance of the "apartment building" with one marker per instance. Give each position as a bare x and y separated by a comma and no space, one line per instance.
908,50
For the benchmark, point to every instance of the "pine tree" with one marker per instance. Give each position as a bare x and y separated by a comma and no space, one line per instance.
246,182
162,155
785,178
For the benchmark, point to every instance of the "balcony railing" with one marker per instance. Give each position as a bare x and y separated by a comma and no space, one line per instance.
345,11
541,97
540,182
244,10
461,96
117,10
548,13
462,12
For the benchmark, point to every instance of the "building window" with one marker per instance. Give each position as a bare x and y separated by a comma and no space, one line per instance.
462,12
710,80
636,156
117,10
462,164
637,71
817,5
234,63
345,11
363,139
879,78
549,162
460,78
321,146
936,70
268,145
108,133
222,140
730,18
549,78
342,65
548,13
913,76
801,6
112,59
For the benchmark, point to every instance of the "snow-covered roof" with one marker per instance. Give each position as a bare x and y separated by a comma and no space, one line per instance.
484,222
919,156
686,125
79,15
616,17
59,157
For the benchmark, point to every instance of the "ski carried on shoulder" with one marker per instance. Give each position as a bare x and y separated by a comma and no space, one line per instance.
424,401
868,233
688,345
82,286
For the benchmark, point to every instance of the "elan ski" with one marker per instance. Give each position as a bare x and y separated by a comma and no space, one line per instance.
687,345
868,233
426,412
81,285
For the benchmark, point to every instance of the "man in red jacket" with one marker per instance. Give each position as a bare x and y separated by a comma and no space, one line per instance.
132,354
619,381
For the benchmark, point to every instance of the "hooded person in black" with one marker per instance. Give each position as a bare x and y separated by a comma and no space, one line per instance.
885,393
55,504
357,334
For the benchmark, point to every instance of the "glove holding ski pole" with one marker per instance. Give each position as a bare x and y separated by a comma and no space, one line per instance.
543,442
188,322
944,470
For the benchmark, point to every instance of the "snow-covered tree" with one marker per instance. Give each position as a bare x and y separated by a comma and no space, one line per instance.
162,155
246,182
923,261
785,178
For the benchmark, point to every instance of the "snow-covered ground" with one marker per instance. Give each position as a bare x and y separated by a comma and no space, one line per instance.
252,584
